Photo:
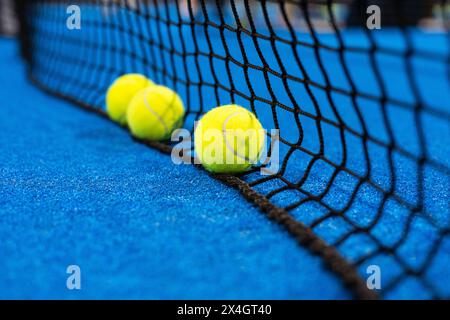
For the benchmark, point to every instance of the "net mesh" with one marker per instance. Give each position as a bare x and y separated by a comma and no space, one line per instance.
363,115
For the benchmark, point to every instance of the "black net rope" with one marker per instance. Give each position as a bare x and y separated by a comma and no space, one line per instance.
345,131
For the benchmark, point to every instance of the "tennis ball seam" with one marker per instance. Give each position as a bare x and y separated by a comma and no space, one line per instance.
158,117
214,120
224,134
155,112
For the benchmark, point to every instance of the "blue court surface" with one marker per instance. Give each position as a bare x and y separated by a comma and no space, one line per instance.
77,190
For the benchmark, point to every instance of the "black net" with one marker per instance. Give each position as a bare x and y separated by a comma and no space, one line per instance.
363,114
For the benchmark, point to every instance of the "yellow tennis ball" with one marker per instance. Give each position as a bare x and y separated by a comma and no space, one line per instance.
120,94
229,139
154,113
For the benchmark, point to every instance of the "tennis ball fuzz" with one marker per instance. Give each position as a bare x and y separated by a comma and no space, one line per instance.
154,113
120,94
229,139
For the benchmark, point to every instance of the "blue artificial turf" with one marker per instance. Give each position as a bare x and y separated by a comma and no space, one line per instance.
75,189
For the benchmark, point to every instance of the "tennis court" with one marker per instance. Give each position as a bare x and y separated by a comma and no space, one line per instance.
363,179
